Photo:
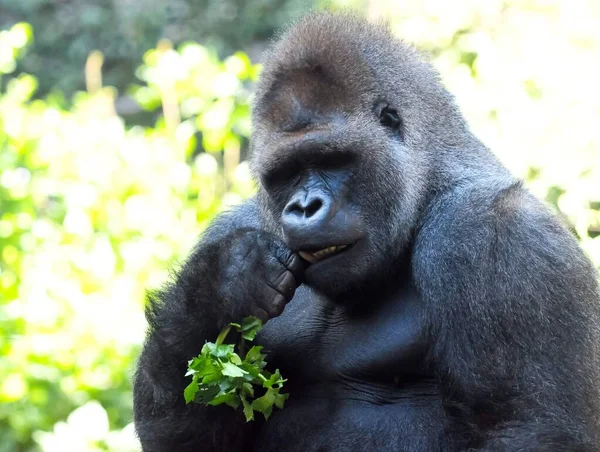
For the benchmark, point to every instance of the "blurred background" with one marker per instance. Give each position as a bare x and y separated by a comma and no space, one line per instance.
123,131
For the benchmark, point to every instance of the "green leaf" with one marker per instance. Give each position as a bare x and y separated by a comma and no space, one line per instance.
231,370
229,398
248,411
263,403
226,385
206,394
247,389
250,370
202,365
254,354
219,351
212,378
280,400
267,412
274,379
250,327
206,349
190,391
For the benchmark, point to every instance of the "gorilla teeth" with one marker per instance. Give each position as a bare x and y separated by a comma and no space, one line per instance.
307,256
321,254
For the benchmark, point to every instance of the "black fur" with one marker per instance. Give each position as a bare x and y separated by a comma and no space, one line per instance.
463,316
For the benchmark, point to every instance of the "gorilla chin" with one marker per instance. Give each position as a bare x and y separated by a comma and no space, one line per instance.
342,274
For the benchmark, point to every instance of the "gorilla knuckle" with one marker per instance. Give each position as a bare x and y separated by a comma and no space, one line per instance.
276,307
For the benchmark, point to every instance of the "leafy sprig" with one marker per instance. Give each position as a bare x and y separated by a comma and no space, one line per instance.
222,376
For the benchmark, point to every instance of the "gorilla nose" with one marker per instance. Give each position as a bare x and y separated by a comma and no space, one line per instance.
304,214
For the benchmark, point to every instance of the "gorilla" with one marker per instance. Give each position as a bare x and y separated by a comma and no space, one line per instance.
418,297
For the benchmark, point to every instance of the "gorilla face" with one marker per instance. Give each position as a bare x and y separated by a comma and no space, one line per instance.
337,178
348,127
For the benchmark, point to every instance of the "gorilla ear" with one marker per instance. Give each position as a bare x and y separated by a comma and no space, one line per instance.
389,117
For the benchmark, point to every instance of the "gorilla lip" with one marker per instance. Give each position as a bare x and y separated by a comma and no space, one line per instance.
316,256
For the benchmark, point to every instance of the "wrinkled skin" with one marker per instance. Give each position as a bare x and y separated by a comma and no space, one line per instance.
419,297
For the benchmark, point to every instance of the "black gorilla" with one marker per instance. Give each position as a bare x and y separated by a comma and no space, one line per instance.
431,302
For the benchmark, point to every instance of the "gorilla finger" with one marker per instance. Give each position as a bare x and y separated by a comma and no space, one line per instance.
275,309
285,284
296,265
260,312
273,303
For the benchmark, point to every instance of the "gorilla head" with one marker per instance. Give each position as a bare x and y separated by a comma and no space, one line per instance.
348,124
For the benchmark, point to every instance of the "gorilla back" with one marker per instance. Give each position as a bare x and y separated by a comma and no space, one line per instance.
418,297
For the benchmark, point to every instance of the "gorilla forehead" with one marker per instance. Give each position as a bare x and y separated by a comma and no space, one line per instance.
340,64
343,48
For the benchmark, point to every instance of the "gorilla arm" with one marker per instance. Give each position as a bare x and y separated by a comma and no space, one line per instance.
514,306
182,317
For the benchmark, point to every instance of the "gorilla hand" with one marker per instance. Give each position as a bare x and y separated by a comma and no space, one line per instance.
259,274
236,270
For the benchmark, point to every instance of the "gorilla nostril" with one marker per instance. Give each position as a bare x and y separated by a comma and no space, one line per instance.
306,208
294,208
313,207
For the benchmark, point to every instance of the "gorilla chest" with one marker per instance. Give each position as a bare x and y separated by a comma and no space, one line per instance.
356,379
315,340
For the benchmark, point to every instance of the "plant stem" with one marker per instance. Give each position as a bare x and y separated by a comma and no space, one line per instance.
223,335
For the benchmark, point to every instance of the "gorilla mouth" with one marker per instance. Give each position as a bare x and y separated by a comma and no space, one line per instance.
316,256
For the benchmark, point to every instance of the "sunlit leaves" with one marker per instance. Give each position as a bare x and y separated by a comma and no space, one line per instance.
12,42
222,376
214,93
91,215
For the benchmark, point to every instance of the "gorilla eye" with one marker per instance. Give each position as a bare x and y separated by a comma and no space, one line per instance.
389,117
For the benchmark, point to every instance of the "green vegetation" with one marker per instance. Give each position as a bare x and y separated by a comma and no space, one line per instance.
92,214
66,32
222,376
95,211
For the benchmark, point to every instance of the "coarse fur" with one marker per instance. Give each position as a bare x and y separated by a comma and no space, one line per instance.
462,315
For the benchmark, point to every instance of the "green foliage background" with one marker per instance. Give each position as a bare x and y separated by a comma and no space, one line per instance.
68,30
94,211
